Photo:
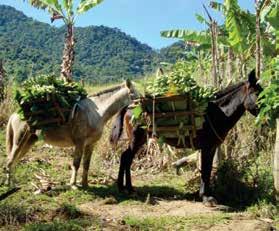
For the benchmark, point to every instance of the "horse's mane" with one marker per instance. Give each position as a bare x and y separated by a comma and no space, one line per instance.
109,90
228,92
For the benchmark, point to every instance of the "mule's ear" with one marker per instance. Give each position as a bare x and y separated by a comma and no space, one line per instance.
128,83
252,78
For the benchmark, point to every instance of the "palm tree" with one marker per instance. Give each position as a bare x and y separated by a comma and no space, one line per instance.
64,10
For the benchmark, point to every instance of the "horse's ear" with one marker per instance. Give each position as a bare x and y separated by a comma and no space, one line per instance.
252,78
128,83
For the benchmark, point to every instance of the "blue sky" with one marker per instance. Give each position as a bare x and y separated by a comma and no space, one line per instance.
142,19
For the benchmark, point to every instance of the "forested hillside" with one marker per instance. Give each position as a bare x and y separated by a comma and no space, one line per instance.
29,47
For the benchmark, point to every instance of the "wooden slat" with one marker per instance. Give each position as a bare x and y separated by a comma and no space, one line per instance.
49,121
165,99
192,116
171,114
170,128
43,111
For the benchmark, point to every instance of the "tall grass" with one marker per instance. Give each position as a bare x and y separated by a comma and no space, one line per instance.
7,107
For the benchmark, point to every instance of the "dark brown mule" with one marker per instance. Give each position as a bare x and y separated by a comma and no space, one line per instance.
221,115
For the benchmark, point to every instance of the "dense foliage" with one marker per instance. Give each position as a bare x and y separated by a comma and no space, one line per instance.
47,99
269,98
175,52
102,54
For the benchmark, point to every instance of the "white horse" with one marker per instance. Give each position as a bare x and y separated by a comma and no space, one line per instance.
82,131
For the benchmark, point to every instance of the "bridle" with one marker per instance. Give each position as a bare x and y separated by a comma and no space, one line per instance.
247,96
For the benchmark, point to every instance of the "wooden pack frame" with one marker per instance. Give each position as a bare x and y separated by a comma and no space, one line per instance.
60,119
175,109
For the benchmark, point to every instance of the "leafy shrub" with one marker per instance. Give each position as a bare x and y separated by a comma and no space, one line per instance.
11,214
269,98
244,181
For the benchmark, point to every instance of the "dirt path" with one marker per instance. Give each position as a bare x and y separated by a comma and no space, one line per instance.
113,215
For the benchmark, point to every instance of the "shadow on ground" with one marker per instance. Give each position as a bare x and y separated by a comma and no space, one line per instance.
141,193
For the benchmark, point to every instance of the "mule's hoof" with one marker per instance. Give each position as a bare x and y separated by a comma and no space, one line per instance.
120,187
10,184
130,190
74,187
209,201
84,185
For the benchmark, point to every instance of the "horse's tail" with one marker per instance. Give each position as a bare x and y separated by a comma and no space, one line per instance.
9,136
117,126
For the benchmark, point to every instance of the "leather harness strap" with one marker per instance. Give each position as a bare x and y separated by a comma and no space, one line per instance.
213,129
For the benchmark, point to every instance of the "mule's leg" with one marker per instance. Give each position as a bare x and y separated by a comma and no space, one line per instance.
128,164
139,138
77,155
10,165
206,167
121,172
20,147
86,163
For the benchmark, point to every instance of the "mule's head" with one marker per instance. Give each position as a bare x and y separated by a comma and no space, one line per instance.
134,94
253,89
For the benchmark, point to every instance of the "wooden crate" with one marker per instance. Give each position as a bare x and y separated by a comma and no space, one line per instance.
174,116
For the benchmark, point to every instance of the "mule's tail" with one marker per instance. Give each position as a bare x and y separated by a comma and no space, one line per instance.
117,126
9,136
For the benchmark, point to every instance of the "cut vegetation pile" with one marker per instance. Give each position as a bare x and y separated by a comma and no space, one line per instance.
47,101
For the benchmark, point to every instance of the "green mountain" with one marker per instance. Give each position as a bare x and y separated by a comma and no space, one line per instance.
29,47
174,52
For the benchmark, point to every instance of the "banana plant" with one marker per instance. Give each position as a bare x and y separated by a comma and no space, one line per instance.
269,99
203,40
241,26
64,10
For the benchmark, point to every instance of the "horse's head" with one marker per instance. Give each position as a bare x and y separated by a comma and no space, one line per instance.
132,90
253,89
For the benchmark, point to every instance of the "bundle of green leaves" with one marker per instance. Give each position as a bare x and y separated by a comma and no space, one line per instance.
179,81
47,98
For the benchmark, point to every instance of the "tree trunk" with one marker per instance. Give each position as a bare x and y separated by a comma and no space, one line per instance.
216,78
214,50
222,66
2,82
240,68
258,41
68,55
276,160
229,66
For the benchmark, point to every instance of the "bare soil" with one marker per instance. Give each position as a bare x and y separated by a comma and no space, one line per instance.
113,214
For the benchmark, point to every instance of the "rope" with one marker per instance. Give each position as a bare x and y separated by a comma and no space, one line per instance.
213,129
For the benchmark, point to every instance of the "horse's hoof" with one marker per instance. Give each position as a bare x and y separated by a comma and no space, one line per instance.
209,201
